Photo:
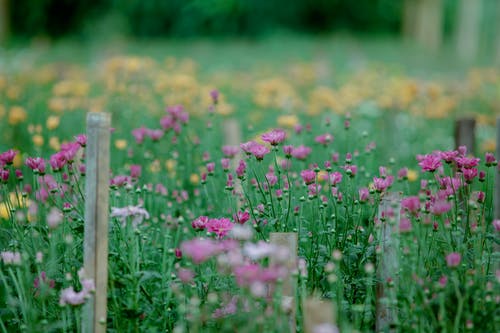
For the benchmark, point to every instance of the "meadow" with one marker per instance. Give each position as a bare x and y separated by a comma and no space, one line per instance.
329,129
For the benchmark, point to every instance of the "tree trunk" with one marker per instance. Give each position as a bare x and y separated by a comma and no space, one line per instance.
468,29
429,23
409,18
4,21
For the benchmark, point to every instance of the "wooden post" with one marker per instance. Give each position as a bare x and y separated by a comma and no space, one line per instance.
409,18
232,137
497,175
387,262
465,135
96,220
317,313
468,29
288,240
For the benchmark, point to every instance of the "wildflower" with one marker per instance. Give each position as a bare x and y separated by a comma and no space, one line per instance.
469,174
259,151
155,134
430,163
230,151
139,134
412,204
364,194
214,94
301,152
404,225
256,251
242,217
335,178
496,225
200,250
137,213
381,184
11,258
81,139
351,170
7,157
440,207
453,259
228,309
247,147
448,156
324,139
185,275
57,161
220,226
135,171
54,217
490,160
308,176
225,163
210,168
4,175
37,164
200,223
467,162
274,137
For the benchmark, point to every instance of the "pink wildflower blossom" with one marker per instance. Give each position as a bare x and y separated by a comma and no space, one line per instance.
220,226
308,176
301,152
324,139
230,151
199,249
7,157
137,213
453,259
200,223
274,137
430,163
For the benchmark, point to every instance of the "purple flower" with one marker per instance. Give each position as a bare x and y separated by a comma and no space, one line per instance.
364,194
301,152
200,223
381,184
496,225
135,171
139,134
240,170
324,139
412,204
335,178
259,151
214,94
453,259
274,137
430,163
200,250
81,139
469,174
37,164
220,226
230,151
467,162
489,159
308,176
7,157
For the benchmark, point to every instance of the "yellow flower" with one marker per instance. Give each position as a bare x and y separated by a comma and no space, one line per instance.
52,122
488,145
13,92
37,140
18,161
54,143
4,211
194,179
288,121
154,167
17,115
322,176
412,175
170,165
120,144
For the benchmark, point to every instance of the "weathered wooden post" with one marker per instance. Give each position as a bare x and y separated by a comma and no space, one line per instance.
96,220
318,314
289,241
468,30
387,262
465,134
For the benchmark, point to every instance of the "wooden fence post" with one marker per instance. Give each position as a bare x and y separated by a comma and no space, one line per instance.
465,134
288,240
387,262
497,175
96,220
318,313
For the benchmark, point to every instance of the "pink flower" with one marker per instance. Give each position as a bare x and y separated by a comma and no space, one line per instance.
274,137
448,156
440,207
37,164
185,275
496,225
489,159
271,178
210,168
469,174
453,259
4,175
225,163
364,194
242,217
137,213
135,171
155,134
259,151
57,161
351,170
7,157
335,178
214,94
467,162
199,249
71,297
11,258
240,170
200,223
324,139
230,151
247,146
301,152
308,176
403,173
287,149
220,226
430,163
54,218
81,139
381,184
412,204
404,225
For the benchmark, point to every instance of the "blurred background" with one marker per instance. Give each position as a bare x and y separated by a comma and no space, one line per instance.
471,25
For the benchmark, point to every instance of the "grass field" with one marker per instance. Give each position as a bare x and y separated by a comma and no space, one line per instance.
329,127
